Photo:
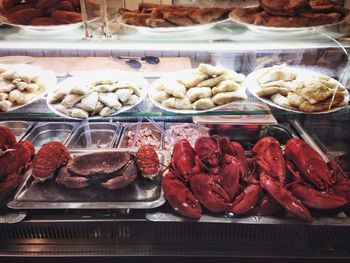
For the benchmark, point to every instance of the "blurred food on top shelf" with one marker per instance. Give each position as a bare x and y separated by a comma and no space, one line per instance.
14,160
203,88
215,3
291,13
22,84
157,15
187,131
222,179
297,89
98,93
41,12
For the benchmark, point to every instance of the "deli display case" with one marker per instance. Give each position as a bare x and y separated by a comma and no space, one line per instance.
202,140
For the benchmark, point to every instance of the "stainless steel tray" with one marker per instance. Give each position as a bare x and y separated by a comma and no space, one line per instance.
142,194
200,130
95,135
20,128
123,143
50,131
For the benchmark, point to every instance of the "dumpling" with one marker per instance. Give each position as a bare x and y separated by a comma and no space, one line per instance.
203,104
124,94
277,74
176,89
89,102
70,100
106,111
266,92
212,82
194,94
63,109
237,77
5,105
79,113
136,89
10,74
24,98
160,96
110,100
281,100
226,97
225,86
211,70
58,95
132,100
160,87
3,96
176,103
104,88
6,87
14,95
99,107
20,85
80,90
33,88
192,80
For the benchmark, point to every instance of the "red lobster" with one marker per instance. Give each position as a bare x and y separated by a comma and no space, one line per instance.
330,179
14,160
268,154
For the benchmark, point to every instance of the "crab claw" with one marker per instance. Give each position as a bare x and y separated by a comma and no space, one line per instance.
180,197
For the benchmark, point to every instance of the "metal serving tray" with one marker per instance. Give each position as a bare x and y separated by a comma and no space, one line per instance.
123,143
50,131
95,135
142,194
20,128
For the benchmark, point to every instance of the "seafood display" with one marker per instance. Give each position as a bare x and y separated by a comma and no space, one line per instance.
201,89
158,15
146,135
108,169
181,131
297,89
22,84
217,175
41,12
291,13
15,159
90,94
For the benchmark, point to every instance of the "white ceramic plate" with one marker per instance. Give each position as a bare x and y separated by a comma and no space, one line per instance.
47,78
87,77
252,85
44,29
171,77
175,29
285,30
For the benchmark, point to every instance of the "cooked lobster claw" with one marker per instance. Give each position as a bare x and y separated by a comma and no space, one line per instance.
180,196
280,193
268,149
309,162
313,198
209,192
246,200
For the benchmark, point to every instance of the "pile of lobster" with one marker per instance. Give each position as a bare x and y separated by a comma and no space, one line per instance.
217,175
15,159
